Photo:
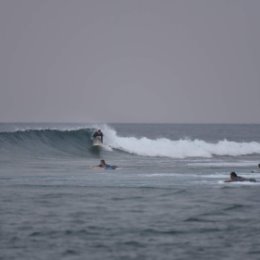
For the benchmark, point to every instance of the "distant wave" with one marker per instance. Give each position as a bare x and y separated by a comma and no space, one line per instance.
77,142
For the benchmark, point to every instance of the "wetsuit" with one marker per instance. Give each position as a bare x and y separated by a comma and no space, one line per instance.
98,134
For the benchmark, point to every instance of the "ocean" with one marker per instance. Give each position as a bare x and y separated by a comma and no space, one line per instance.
166,200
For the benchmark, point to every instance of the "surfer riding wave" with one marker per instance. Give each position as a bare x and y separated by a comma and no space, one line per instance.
98,136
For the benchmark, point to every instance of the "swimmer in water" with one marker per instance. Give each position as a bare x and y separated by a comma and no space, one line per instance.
235,178
104,165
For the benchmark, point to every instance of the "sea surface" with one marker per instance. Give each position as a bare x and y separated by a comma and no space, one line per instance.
166,200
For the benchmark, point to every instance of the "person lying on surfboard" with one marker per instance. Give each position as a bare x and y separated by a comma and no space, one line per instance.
98,134
235,177
103,164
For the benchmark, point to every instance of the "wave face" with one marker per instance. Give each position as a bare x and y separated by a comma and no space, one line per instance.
77,142
46,142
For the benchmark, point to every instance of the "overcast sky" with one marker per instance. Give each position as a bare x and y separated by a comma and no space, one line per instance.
179,61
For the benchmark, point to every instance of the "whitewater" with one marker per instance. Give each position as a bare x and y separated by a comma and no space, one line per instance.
181,148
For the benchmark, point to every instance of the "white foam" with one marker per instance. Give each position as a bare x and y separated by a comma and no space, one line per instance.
224,164
181,148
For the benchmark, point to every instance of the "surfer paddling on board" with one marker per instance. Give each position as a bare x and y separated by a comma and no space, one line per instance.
103,165
234,177
98,135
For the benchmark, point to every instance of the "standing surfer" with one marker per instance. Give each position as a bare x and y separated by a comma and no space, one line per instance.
98,134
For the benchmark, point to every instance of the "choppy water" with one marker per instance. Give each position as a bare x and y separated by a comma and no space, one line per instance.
167,199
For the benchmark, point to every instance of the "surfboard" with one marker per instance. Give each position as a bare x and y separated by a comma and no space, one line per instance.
97,141
110,167
107,167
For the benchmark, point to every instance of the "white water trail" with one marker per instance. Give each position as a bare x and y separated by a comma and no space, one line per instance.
181,148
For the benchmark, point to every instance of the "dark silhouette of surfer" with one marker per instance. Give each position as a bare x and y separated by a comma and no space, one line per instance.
104,165
235,178
98,134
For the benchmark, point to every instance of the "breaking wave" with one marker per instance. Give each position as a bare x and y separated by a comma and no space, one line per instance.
182,148
77,142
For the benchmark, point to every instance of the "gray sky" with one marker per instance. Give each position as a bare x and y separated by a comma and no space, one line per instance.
179,61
